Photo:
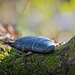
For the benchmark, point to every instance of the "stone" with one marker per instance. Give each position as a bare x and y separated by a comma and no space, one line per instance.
35,44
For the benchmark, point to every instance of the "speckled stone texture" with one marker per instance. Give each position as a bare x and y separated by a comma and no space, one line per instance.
35,44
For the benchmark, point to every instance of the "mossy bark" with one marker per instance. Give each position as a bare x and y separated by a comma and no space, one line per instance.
59,62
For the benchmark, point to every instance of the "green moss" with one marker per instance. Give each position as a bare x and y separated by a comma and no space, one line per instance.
15,63
71,70
72,48
53,62
4,51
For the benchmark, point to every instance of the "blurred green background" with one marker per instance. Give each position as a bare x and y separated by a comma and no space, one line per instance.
50,18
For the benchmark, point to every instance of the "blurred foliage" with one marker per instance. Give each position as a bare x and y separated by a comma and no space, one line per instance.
38,12
39,17
67,6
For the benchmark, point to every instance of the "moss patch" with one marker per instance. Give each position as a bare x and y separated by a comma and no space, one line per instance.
17,63
57,62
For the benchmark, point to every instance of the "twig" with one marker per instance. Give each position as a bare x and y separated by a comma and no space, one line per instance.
10,43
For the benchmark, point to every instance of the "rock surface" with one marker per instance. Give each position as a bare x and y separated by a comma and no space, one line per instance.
35,44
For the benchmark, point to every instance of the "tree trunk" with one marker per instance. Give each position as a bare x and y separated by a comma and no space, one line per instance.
59,62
